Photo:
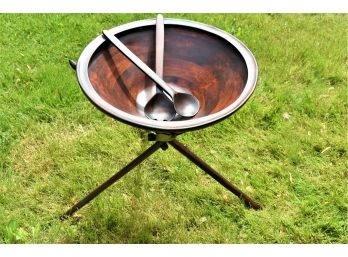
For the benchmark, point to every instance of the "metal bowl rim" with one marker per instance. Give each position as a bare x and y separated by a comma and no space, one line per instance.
183,125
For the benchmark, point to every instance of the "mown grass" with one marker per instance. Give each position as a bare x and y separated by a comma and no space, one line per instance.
287,147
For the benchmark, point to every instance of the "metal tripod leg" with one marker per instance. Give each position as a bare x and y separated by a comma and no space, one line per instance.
112,180
224,182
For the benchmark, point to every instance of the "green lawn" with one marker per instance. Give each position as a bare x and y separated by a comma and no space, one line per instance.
287,147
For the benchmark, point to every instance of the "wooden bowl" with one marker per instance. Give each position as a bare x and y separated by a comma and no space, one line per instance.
205,61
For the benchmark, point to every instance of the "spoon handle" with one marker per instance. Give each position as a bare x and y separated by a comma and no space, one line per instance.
159,45
139,63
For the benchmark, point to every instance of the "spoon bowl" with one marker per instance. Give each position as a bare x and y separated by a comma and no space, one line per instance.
160,108
186,105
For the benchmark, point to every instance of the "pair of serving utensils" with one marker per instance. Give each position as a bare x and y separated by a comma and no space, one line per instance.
166,102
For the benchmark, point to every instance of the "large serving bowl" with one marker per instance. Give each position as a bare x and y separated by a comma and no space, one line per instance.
209,63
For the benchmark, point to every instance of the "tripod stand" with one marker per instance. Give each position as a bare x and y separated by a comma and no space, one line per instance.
162,141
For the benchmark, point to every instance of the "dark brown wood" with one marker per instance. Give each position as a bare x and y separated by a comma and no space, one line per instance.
214,174
198,61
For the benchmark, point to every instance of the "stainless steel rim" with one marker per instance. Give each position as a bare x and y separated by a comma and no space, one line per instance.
170,126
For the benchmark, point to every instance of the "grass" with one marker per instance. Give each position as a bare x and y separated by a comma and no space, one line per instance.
287,147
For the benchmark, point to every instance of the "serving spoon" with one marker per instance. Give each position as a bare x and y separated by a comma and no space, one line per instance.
185,104
159,107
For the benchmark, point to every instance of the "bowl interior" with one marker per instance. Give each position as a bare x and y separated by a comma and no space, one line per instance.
195,61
